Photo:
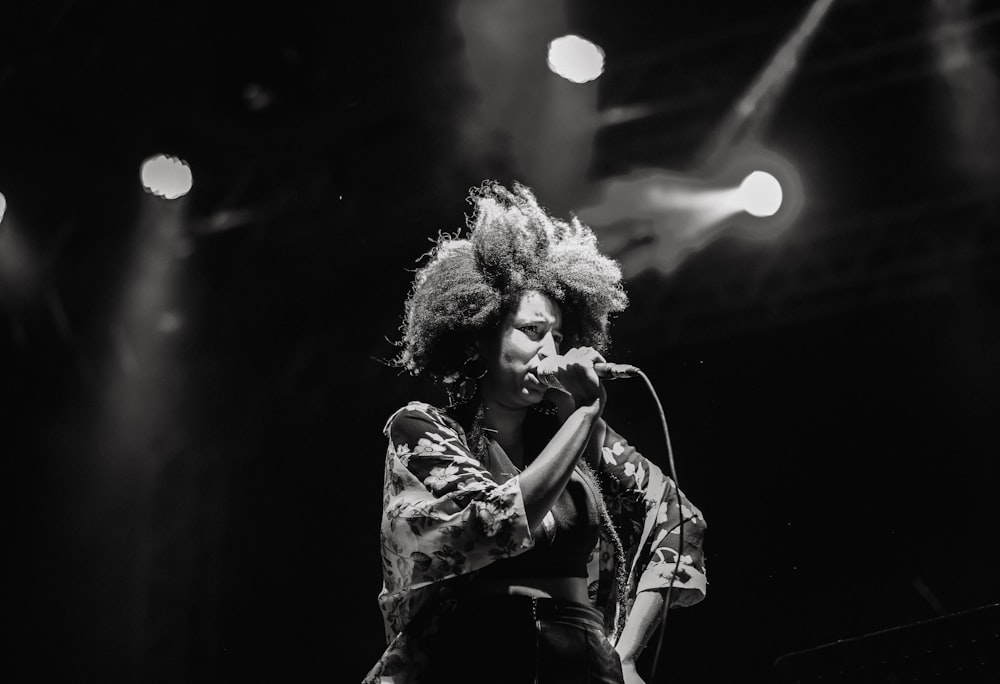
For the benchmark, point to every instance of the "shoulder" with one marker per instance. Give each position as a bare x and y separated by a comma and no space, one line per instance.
421,416
425,431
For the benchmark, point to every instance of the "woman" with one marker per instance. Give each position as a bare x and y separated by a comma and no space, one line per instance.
523,540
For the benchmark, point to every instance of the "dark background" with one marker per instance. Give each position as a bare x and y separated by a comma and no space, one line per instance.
193,390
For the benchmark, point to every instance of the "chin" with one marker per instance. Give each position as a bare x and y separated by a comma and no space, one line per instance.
532,395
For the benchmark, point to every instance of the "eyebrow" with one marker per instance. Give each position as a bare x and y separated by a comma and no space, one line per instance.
556,325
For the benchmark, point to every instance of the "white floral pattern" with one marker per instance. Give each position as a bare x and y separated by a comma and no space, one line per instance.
445,516
440,477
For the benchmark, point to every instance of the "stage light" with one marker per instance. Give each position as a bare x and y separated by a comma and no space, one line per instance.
166,176
3,206
575,59
760,194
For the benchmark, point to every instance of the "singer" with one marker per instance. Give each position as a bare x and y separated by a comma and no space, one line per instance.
523,540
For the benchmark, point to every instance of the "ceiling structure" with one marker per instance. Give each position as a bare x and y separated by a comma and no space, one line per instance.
181,437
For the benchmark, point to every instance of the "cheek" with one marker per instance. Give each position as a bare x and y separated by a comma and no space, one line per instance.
517,351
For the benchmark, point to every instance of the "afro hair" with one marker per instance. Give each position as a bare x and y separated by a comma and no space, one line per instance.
513,246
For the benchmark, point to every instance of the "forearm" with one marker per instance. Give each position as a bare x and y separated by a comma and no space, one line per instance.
639,626
592,451
544,480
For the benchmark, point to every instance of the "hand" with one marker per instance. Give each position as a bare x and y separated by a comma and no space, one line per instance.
629,674
573,372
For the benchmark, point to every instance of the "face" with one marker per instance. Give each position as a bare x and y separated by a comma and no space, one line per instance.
528,334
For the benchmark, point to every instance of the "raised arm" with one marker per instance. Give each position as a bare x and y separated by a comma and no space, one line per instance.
445,514
546,477
544,480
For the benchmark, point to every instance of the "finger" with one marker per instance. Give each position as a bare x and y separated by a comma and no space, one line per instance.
592,356
586,358
582,354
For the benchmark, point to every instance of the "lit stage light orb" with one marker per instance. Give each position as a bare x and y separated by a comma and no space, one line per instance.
3,206
760,194
166,176
575,59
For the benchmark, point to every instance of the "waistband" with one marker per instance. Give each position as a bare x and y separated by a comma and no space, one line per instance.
513,605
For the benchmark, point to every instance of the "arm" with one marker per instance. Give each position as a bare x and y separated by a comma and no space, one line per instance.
544,480
580,411
565,406
643,504
642,622
445,514
646,612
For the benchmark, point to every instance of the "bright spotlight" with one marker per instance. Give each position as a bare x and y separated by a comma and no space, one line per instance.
575,59
3,206
760,194
166,176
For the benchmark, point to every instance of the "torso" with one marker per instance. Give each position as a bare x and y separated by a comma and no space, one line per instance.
557,566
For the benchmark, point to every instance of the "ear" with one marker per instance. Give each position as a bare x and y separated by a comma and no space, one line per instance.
472,351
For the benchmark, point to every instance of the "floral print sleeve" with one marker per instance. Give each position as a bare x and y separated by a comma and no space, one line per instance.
444,514
642,503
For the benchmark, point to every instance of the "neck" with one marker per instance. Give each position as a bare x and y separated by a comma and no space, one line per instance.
506,425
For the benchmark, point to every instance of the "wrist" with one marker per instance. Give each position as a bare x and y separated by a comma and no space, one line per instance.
594,403
591,409
625,657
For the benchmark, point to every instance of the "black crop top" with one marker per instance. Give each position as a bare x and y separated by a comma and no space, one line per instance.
564,550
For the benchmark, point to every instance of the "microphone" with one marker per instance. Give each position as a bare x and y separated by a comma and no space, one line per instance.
545,371
613,371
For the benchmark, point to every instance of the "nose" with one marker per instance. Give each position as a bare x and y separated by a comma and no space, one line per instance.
548,347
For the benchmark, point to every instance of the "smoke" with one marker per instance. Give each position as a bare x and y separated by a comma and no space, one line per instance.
653,219
963,63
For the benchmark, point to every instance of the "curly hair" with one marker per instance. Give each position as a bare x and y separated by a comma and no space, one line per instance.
513,246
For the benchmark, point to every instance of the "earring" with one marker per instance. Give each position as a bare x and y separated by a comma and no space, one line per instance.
468,384
465,376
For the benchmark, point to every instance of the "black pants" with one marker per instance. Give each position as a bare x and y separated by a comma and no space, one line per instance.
519,639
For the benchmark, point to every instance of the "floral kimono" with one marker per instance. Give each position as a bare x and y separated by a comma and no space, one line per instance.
445,516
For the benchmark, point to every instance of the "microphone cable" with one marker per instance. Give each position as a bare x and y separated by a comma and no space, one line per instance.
630,371
680,515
